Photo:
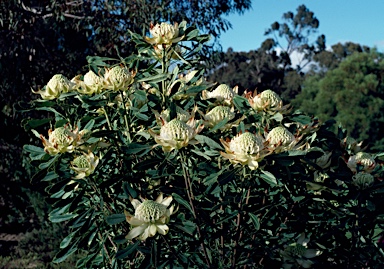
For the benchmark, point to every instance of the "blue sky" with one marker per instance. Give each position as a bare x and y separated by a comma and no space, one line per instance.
340,21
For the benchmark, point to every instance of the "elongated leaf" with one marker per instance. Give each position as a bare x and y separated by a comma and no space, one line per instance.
63,254
268,177
61,218
49,163
181,201
50,175
115,219
209,141
255,221
123,253
135,148
33,149
129,191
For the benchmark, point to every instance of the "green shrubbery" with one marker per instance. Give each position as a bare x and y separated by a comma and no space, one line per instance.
151,166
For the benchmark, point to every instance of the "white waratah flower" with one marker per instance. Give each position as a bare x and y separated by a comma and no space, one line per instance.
92,83
297,254
150,217
61,140
57,85
246,149
181,114
222,93
363,180
164,34
218,114
364,160
84,165
176,134
280,136
267,100
118,78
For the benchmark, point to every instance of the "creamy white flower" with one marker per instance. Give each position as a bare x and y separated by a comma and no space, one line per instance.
365,161
163,34
61,140
218,114
150,217
118,78
176,134
246,149
298,254
84,165
222,93
57,85
280,136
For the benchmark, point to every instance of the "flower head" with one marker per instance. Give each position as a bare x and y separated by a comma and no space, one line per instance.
349,143
57,85
92,83
363,180
150,217
176,134
164,34
222,93
84,165
267,100
61,140
246,149
361,161
218,114
118,78
297,254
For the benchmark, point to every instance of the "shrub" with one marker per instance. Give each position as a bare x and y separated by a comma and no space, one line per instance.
150,165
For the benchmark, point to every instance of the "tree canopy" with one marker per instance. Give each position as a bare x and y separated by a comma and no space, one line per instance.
352,94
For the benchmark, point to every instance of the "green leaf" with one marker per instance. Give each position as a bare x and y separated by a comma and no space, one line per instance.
89,125
61,218
181,201
135,148
66,241
154,79
226,177
123,253
268,177
129,191
36,123
187,226
33,149
63,254
115,219
209,141
50,175
49,163
255,221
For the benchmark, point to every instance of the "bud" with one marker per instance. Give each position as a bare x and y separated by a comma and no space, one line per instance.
118,78
92,83
363,180
57,85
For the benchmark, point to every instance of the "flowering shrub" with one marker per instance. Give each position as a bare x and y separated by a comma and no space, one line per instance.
247,180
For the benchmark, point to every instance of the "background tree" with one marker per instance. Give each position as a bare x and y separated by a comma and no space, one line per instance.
352,94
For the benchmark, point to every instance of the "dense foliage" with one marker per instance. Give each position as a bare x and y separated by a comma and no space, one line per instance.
151,166
352,94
